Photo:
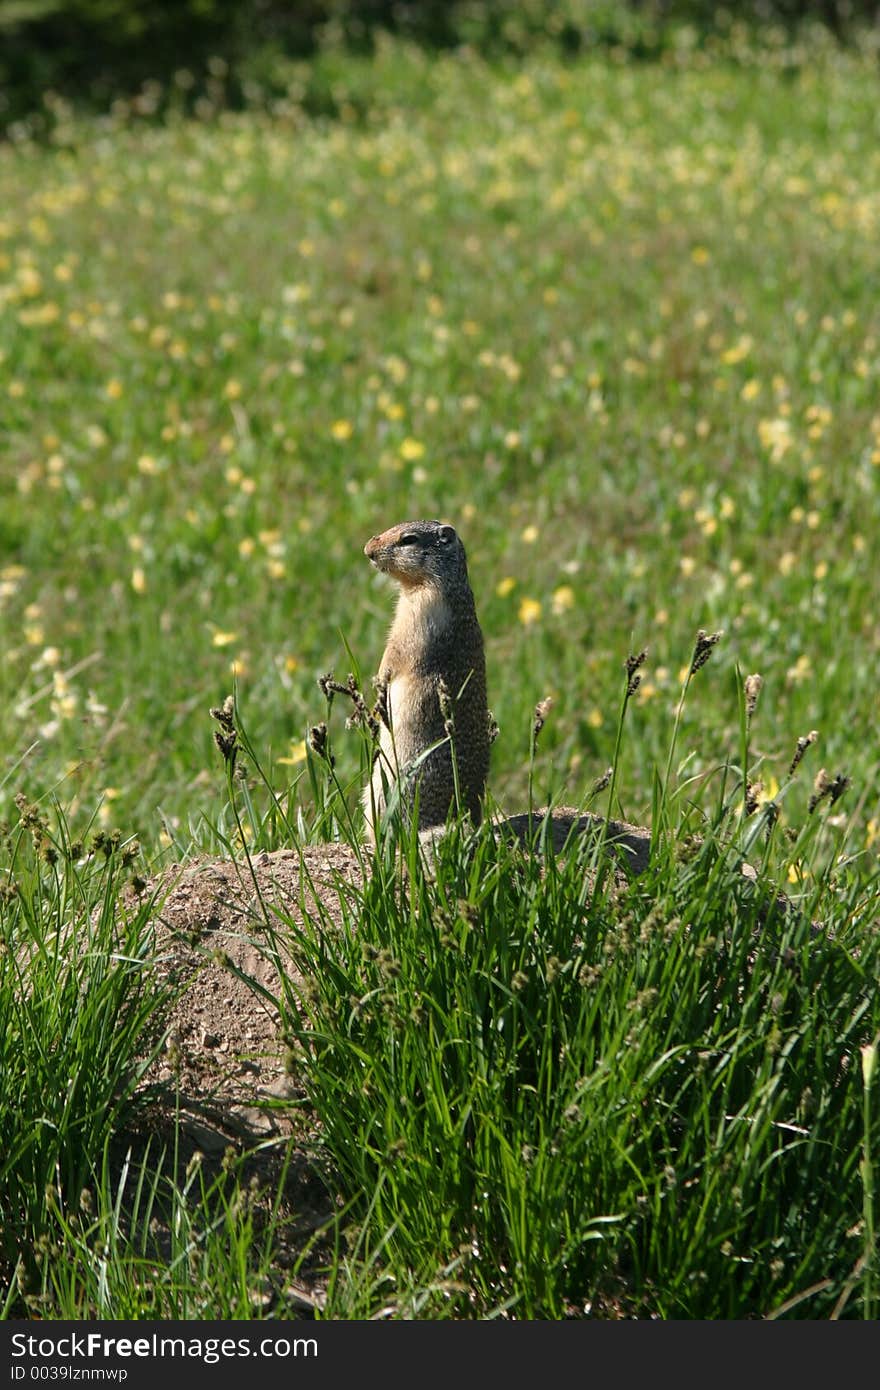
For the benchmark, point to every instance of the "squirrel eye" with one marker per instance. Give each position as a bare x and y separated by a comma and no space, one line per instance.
446,535
409,539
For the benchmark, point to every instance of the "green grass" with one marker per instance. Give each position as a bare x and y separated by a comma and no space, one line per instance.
619,324
560,1093
642,1118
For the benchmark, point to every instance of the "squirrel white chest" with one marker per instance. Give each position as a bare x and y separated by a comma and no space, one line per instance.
398,696
422,617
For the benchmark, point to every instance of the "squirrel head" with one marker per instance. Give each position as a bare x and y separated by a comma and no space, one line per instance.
419,552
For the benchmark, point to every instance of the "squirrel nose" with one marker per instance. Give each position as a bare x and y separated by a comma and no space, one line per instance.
371,547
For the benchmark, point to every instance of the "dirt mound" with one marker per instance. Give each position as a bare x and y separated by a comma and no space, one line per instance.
224,1055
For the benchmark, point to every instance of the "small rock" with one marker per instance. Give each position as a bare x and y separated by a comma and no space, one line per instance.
284,1087
210,1039
252,1122
209,1139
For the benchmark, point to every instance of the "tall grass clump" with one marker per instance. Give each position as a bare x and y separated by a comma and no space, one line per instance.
76,1003
160,1237
549,1088
106,1207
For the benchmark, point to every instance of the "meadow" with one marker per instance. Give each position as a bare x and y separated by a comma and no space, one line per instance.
619,324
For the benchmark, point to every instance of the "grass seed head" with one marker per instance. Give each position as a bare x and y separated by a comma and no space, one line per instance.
803,744
703,648
633,665
30,816
361,715
318,740
225,714
825,786
821,788
753,686
542,709
447,708
379,711
226,737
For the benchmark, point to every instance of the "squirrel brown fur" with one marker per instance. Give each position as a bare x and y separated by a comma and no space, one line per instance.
432,680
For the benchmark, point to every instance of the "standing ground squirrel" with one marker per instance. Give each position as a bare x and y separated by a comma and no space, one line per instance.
433,670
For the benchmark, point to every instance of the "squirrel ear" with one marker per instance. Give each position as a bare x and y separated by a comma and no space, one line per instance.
446,535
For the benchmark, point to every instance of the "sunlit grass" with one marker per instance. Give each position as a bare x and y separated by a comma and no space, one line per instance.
548,1090
624,334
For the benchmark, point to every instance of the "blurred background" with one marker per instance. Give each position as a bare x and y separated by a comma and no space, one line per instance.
596,282
100,49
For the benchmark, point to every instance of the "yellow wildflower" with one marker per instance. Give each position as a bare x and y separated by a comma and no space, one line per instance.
740,350
296,755
529,611
412,449
800,671
775,437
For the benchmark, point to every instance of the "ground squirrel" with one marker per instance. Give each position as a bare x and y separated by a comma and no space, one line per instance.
433,670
